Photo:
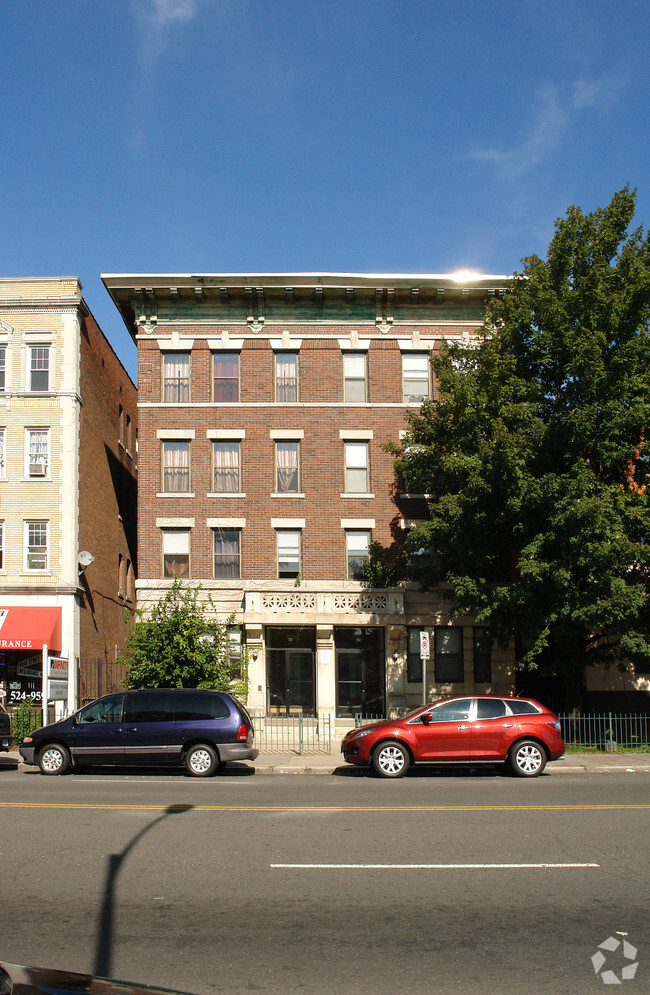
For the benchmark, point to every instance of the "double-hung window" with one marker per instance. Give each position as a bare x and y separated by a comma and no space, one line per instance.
38,372
287,467
176,466
225,376
3,368
415,376
38,452
413,656
356,468
2,452
482,657
288,541
176,377
357,543
36,546
2,545
355,388
227,466
286,376
449,655
176,552
227,553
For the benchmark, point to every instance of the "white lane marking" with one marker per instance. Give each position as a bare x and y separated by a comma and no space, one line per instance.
423,867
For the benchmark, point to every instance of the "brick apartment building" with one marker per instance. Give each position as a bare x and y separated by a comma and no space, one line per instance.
265,403
68,424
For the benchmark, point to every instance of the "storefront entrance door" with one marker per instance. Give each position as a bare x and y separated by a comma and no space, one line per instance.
360,671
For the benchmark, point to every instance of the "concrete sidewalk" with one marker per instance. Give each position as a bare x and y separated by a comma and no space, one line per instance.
327,763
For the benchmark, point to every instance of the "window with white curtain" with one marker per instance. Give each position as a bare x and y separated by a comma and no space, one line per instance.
36,545
176,467
287,468
176,552
356,467
288,552
227,467
3,367
2,452
176,377
415,376
227,554
38,452
286,376
354,378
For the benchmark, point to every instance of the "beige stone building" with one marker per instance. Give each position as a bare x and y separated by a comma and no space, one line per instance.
67,493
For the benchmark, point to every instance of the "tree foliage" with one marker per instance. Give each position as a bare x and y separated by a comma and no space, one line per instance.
179,643
535,453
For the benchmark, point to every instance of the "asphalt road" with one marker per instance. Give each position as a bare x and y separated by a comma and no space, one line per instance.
327,883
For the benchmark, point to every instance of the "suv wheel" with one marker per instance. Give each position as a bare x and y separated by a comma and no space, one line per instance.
53,759
201,760
527,758
391,759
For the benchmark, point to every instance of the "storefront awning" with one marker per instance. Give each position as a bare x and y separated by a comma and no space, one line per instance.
23,628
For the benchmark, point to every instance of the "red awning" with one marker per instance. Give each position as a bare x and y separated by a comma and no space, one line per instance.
28,628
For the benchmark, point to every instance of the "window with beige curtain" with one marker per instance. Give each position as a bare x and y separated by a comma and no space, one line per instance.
226,553
286,467
176,467
176,377
286,376
227,467
225,376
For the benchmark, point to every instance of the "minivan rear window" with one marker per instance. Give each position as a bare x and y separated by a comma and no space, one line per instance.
194,705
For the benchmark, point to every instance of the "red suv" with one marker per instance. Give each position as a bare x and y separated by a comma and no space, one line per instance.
478,729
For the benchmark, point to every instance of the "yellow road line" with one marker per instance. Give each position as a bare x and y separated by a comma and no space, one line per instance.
86,806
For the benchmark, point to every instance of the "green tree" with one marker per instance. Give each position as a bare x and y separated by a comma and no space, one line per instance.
535,452
179,643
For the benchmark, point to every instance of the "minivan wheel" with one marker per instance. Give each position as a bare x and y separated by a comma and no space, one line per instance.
201,760
391,759
527,758
53,759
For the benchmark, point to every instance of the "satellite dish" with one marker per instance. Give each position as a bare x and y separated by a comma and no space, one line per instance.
85,559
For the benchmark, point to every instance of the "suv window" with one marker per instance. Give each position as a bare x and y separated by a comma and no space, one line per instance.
489,708
149,706
192,706
522,708
103,710
451,711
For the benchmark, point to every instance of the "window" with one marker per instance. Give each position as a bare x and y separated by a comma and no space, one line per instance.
490,708
120,425
286,376
38,452
195,706
354,378
522,707
3,367
176,552
130,581
451,711
418,561
357,544
482,657
149,706
176,377
121,577
225,376
356,467
2,545
227,554
287,476
36,551
128,433
2,452
288,552
227,467
449,655
105,710
415,376
39,368
413,658
176,467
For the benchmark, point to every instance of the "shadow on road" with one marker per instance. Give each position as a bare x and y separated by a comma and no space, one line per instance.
430,772
104,946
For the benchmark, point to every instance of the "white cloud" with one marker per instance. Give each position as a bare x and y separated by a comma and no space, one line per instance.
551,120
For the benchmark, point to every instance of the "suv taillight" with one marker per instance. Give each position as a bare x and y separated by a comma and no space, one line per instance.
242,733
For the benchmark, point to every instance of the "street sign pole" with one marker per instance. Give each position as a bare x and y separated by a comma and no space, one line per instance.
424,656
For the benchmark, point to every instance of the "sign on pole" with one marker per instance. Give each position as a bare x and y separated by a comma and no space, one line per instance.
424,656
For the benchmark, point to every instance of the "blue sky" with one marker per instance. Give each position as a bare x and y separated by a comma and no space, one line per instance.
301,135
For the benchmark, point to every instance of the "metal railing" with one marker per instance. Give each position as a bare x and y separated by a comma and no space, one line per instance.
293,733
606,731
